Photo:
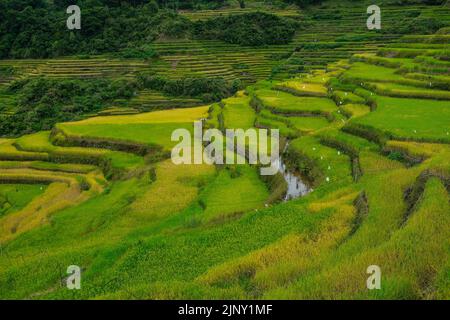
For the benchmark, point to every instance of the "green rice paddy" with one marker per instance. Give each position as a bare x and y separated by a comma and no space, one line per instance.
362,125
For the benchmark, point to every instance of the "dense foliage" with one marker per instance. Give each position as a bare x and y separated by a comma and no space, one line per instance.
43,102
253,29
417,25
192,4
208,89
37,29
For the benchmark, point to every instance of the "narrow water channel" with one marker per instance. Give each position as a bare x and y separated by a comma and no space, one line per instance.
296,186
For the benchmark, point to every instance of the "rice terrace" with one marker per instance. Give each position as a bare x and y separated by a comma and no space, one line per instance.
92,205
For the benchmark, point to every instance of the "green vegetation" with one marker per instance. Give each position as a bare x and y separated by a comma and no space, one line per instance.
412,119
44,102
249,29
284,103
14,197
86,179
208,89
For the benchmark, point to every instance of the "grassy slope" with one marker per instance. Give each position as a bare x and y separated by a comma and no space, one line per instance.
204,232
14,197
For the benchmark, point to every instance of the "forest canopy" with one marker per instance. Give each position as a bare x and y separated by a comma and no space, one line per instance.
37,28
253,29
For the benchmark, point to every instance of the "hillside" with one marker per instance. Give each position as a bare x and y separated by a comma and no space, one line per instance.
86,177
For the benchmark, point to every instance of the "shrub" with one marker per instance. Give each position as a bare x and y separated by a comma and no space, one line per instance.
250,29
395,155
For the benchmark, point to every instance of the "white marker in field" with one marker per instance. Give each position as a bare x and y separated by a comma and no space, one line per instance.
374,20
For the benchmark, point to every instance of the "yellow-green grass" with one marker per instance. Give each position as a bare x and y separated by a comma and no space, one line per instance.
355,110
301,88
228,193
363,72
176,186
435,80
14,197
347,140
149,128
9,152
48,166
318,246
286,103
288,258
165,116
263,121
422,64
63,167
56,197
398,90
15,164
234,8
411,119
213,116
372,162
418,149
238,113
153,134
94,179
308,124
39,143
319,76
328,165
32,177
412,253
391,62
342,98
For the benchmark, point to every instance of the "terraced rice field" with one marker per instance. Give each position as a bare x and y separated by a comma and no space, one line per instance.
327,36
234,8
366,126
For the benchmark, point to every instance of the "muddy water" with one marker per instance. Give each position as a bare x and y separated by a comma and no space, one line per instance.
296,186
